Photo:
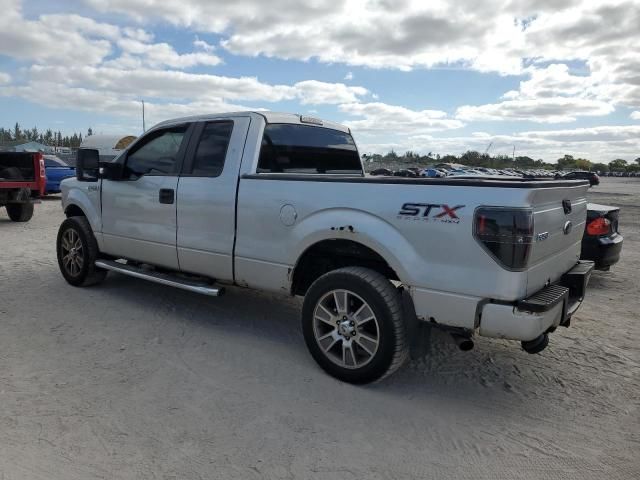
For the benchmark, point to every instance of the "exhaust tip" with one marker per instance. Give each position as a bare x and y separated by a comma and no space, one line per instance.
536,345
464,343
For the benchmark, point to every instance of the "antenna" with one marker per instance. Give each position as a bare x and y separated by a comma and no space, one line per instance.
144,129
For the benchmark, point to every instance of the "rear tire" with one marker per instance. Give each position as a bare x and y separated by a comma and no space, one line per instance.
77,251
353,325
20,212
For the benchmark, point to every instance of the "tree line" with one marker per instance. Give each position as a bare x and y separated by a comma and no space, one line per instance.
48,137
474,158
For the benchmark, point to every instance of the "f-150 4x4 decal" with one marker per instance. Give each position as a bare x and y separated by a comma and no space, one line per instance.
424,212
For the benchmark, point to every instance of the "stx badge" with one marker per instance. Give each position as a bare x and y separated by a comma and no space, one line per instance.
427,212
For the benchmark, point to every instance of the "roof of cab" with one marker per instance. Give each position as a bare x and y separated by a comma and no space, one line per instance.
269,117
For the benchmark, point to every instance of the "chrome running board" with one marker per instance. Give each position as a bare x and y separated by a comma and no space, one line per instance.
161,278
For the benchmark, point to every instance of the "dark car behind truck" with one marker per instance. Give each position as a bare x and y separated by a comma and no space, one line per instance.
22,179
602,242
591,176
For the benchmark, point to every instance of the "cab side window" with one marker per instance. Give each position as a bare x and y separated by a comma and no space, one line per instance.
212,149
158,154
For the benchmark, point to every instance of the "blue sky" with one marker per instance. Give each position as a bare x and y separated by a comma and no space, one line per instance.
548,77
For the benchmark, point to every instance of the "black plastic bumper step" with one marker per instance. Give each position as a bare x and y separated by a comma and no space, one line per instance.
545,299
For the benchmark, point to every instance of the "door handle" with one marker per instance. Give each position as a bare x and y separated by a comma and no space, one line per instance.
166,195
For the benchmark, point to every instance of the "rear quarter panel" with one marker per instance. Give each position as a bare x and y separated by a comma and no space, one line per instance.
431,252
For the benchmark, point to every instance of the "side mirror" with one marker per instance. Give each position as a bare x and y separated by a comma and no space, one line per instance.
87,165
111,170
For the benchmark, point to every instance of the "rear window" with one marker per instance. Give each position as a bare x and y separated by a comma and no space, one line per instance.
288,148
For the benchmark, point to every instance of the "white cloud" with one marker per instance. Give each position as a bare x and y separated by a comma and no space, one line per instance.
349,76
177,85
162,54
381,117
201,44
39,40
73,39
114,67
541,110
138,34
4,77
60,96
379,33
550,95
552,81
635,115
315,92
490,36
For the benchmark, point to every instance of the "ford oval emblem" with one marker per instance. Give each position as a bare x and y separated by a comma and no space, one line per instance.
567,228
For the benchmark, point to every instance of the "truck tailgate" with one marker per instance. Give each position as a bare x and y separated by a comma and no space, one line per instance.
559,216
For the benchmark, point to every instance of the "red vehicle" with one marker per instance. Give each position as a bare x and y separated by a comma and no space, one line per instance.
22,179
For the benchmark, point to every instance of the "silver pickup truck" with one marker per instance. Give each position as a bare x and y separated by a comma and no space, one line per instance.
279,202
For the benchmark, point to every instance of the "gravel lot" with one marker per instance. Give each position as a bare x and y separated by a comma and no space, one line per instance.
131,380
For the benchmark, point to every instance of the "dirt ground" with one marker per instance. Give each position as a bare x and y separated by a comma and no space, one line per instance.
132,380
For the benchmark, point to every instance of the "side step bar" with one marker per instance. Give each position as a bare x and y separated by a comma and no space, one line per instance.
162,278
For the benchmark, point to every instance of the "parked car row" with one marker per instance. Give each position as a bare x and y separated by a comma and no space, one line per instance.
433,172
620,174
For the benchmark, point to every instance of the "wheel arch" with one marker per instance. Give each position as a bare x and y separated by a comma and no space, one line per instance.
77,203
364,240
331,254
74,210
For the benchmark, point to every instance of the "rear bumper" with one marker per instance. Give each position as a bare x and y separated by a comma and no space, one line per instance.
603,251
543,311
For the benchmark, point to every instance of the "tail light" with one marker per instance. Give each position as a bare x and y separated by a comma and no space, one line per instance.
40,158
599,226
42,181
506,234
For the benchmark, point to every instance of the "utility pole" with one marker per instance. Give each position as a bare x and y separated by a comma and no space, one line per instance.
144,129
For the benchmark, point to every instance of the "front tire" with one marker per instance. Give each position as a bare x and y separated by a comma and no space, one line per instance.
77,251
20,212
353,325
